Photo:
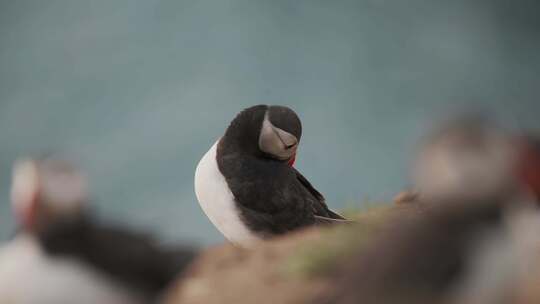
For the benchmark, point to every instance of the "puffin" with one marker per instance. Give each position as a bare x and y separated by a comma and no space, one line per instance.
61,253
471,157
476,237
247,185
468,157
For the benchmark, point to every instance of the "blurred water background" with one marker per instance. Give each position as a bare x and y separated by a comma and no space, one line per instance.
137,91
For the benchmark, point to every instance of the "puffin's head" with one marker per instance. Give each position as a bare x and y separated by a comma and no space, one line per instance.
468,158
44,190
266,131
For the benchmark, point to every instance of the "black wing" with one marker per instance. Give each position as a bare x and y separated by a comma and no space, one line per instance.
133,259
322,213
291,205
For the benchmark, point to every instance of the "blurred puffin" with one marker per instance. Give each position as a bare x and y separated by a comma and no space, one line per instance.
469,157
247,185
62,255
475,241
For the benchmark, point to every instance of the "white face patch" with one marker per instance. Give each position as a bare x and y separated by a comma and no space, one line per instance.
62,185
275,141
25,186
54,183
217,200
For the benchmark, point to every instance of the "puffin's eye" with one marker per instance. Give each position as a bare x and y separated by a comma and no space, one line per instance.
289,147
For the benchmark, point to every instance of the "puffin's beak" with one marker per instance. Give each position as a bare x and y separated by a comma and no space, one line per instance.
292,160
530,169
276,142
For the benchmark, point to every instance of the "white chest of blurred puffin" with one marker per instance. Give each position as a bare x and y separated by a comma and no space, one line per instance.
29,276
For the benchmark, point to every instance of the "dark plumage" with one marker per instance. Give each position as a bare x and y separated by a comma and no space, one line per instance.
272,196
135,260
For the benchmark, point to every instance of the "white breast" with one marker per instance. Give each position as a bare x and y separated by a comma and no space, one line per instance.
29,276
217,200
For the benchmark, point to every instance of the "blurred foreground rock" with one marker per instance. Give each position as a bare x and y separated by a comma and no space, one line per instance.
399,254
295,268
229,274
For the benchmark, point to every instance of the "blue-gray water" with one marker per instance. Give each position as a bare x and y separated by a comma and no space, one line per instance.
137,91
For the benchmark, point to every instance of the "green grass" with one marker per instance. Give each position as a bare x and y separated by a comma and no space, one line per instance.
337,244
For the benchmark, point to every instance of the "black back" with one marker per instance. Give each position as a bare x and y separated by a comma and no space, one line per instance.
273,197
134,260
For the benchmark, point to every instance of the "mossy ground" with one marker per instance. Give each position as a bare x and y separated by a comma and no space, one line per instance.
289,269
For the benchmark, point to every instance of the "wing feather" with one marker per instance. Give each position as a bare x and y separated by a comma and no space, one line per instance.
321,209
